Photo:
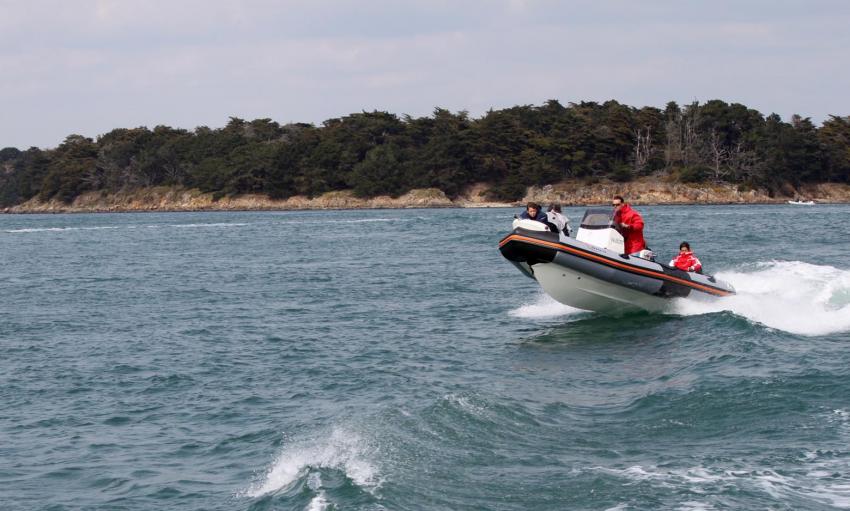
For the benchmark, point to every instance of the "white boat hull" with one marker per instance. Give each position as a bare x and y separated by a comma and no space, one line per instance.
582,291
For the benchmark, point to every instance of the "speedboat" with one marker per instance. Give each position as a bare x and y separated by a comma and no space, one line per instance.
802,203
591,272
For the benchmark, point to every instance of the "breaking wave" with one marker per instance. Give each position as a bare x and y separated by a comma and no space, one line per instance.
793,296
320,501
342,450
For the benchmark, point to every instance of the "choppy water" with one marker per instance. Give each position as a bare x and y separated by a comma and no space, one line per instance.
393,360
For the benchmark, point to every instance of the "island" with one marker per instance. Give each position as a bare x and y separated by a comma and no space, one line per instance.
576,154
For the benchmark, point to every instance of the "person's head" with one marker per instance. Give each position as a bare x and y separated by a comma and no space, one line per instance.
532,208
617,202
684,247
555,207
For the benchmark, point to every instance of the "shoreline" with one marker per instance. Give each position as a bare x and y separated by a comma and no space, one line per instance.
390,208
645,192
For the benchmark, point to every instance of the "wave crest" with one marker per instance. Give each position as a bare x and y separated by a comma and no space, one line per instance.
342,450
793,296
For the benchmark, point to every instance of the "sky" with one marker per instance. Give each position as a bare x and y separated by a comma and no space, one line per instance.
89,66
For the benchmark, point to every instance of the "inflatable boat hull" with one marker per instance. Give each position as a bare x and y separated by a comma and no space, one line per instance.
587,277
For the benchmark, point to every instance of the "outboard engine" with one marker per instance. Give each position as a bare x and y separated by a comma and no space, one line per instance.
597,229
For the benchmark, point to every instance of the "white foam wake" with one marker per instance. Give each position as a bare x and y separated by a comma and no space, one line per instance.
62,229
544,306
818,478
102,227
367,220
320,501
341,450
215,224
793,296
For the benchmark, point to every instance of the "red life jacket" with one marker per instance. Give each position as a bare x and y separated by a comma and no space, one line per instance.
686,261
633,235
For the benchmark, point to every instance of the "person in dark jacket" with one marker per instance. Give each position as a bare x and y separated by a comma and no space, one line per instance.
686,260
630,224
533,212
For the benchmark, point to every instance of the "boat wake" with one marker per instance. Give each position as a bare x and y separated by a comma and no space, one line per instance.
544,307
793,296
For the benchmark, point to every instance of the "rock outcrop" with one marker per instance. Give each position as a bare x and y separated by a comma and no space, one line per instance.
646,192
181,199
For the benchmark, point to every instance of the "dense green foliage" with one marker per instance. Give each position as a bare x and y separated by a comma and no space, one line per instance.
376,153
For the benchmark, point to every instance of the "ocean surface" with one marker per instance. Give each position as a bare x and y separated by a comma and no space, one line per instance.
392,359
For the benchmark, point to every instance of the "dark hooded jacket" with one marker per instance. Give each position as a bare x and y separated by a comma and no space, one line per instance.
541,216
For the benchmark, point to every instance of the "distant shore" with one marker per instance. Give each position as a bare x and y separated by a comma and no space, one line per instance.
568,193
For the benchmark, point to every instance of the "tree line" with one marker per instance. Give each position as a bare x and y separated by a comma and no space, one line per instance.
380,153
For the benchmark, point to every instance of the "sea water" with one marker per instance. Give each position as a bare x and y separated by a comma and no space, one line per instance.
394,360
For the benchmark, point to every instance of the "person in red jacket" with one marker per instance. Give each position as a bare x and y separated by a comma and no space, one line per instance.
686,260
630,225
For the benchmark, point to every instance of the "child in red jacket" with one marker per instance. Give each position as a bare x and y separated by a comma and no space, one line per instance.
686,260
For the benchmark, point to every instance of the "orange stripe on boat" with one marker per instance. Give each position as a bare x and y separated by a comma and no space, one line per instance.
605,260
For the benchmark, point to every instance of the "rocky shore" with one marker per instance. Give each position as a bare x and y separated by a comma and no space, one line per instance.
568,193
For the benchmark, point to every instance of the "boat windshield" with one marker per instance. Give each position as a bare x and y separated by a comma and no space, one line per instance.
597,218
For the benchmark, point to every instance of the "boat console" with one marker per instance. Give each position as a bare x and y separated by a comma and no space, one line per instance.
530,225
597,229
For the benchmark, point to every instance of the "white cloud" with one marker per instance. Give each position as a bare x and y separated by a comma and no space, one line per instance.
90,66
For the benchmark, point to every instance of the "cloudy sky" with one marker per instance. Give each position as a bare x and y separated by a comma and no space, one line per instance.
88,66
